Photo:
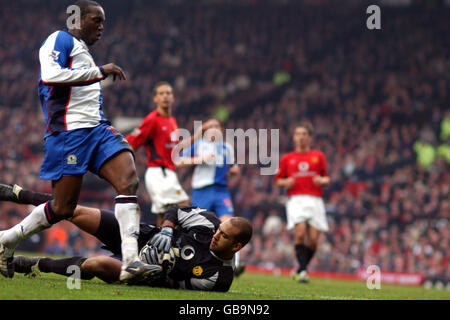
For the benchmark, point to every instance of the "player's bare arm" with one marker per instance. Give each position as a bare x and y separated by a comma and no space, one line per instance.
115,70
321,181
197,135
183,162
192,161
285,182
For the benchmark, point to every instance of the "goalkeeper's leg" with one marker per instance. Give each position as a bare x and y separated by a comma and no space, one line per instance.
108,269
103,267
26,265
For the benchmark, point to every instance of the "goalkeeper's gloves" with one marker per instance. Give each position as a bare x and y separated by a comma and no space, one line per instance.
163,240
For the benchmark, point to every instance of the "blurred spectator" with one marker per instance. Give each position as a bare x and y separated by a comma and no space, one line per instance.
426,153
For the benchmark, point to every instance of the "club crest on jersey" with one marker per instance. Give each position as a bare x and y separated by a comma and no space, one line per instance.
197,271
55,55
314,159
303,166
72,159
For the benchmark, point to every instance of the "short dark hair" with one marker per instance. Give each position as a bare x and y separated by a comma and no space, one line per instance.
307,125
245,229
159,84
84,6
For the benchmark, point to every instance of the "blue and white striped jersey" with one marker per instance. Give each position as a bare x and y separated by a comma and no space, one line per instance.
69,84
214,173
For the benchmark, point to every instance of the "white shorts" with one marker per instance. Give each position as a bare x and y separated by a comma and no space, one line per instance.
164,189
311,209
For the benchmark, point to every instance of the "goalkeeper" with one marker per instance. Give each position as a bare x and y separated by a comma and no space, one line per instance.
204,246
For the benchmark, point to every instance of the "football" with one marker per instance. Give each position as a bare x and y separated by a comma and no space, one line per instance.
149,254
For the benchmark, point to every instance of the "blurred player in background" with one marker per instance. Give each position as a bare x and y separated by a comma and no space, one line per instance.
304,173
158,132
214,161
79,138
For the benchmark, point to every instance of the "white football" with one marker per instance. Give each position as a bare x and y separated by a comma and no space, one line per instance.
149,254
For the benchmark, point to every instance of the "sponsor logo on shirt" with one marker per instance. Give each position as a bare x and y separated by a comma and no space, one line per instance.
187,252
303,166
55,55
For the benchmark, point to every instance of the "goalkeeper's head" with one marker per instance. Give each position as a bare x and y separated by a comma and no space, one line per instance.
231,236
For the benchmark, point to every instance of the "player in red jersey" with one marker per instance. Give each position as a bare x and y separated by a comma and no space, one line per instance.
304,173
158,132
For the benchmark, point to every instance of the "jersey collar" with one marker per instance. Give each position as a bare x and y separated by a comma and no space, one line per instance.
225,262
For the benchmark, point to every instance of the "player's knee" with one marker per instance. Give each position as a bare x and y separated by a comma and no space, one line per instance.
299,238
312,244
129,185
102,267
93,265
134,185
64,210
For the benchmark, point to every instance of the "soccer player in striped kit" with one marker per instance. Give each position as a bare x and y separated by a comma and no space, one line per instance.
79,138
304,173
214,161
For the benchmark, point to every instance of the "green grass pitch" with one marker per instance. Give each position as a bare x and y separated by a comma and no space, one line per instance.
246,287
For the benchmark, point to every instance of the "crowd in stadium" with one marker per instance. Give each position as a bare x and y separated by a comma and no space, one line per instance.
378,105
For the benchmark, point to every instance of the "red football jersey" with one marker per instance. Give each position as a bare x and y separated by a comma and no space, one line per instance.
303,167
159,134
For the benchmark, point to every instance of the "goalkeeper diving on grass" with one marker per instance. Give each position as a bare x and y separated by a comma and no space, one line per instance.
194,249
